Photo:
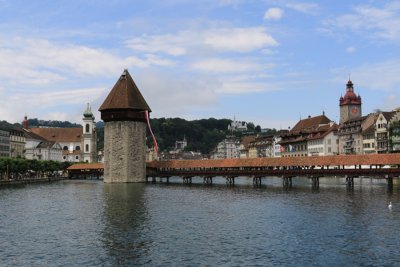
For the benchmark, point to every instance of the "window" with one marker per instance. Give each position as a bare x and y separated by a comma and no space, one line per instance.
87,148
65,148
77,148
77,157
64,157
87,128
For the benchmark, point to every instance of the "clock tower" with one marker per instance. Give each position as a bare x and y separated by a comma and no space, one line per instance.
350,104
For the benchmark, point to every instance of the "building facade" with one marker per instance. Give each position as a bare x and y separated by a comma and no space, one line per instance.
17,143
394,132
78,144
324,141
228,148
4,143
382,132
295,142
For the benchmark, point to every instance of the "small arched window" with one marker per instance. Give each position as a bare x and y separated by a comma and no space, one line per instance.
87,147
87,128
65,148
77,148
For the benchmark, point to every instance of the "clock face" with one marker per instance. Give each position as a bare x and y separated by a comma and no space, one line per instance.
354,110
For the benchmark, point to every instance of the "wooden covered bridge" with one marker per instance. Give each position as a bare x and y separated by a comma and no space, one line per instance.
380,166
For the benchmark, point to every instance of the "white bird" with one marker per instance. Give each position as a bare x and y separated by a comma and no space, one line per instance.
390,205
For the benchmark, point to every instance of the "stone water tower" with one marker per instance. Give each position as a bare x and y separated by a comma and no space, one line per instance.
124,116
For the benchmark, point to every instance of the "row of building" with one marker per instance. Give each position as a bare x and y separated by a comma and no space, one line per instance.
377,132
48,143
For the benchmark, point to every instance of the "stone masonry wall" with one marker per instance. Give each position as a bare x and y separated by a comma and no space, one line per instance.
124,152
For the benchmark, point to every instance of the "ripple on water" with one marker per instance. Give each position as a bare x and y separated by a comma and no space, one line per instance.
87,223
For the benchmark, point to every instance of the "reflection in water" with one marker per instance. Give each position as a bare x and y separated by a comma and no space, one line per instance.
125,223
88,223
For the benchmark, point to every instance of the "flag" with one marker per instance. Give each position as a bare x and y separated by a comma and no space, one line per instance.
151,132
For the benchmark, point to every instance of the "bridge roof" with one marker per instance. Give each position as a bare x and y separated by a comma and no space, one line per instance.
340,160
86,166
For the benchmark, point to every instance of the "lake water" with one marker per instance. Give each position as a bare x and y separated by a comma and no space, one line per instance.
88,223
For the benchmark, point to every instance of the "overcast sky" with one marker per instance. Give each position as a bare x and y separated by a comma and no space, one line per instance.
269,62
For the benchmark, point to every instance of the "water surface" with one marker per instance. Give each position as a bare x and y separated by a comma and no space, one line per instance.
88,223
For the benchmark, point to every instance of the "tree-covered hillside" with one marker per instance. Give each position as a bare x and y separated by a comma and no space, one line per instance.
201,135
50,123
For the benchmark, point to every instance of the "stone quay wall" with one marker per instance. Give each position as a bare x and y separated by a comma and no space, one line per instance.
124,152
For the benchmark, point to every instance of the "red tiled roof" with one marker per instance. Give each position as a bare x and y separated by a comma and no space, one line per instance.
86,166
246,140
310,124
59,134
340,160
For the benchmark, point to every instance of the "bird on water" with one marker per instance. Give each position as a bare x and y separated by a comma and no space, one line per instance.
390,205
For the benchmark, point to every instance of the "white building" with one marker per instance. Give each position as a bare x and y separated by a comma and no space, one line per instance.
382,131
324,142
237,125
227,149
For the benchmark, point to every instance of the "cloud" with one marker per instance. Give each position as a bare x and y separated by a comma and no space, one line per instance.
39,61
218,65
382,76
391,101
307,8
366,20
239,39
173,45
241,88
273,13
350,49
224,39
177,95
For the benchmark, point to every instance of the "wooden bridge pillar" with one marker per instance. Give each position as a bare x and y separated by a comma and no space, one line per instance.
314,181
350,181
287,181
187,179
230,180
257,180
389,180
208,180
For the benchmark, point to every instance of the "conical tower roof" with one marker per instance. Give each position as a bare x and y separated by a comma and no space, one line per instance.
125,95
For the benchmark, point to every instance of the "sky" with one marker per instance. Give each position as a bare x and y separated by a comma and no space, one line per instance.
270,62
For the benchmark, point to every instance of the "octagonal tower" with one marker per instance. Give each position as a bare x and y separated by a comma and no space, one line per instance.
124,115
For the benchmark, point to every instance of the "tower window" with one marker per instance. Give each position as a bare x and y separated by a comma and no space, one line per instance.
87,128
87,148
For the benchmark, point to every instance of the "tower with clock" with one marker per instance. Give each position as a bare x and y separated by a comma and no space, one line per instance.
350,104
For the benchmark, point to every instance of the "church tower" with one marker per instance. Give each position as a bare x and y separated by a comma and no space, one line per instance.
124,115
350,104
89,136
